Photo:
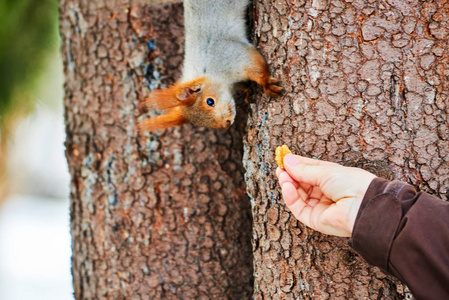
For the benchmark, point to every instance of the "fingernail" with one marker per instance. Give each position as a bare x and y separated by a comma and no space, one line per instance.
291,160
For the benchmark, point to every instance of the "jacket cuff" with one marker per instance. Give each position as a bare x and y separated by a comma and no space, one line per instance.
377,222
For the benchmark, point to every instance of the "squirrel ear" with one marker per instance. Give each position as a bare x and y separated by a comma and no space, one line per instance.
179,94
186,91
171,119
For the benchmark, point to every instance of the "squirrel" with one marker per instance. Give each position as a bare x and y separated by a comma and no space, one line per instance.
217,56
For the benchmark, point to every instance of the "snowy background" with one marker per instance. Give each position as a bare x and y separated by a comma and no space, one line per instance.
34,218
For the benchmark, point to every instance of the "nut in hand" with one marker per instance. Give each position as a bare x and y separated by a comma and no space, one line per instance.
281,151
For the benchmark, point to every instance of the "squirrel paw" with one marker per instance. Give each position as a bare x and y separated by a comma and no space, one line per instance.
272,87
143,106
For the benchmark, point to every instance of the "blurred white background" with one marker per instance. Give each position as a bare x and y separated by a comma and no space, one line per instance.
34,218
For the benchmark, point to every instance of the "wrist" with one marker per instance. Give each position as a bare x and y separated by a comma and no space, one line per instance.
363,188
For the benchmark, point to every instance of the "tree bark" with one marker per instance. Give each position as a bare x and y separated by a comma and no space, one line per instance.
366,84
161,216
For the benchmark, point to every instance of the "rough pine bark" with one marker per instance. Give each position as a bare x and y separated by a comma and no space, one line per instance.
159,216
366,84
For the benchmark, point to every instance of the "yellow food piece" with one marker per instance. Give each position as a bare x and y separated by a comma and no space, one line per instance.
281,151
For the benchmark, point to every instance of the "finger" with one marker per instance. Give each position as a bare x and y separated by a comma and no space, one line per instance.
296,204
278,171
312,202
284,177
314,162
315,192
304,173
290,194
303,195
305,186
318,210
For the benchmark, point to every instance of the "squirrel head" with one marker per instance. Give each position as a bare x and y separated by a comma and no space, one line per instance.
200,102
214,106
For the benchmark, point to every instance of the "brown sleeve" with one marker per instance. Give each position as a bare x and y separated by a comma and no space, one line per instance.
406,234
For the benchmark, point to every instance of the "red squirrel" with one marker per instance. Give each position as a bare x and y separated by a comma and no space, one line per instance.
217,56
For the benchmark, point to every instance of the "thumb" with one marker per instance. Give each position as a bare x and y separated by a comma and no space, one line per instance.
302,172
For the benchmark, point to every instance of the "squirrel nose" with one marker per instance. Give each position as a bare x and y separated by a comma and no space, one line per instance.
228,123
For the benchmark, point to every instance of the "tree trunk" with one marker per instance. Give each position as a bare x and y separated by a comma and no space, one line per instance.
164,216
366,84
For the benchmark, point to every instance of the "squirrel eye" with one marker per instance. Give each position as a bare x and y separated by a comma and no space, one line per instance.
210,102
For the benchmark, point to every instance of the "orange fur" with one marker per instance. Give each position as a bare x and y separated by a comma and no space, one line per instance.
162,99
179,94
187,92
260,73
184,103
173,118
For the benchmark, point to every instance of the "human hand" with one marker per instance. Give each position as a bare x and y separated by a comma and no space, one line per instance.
323,195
